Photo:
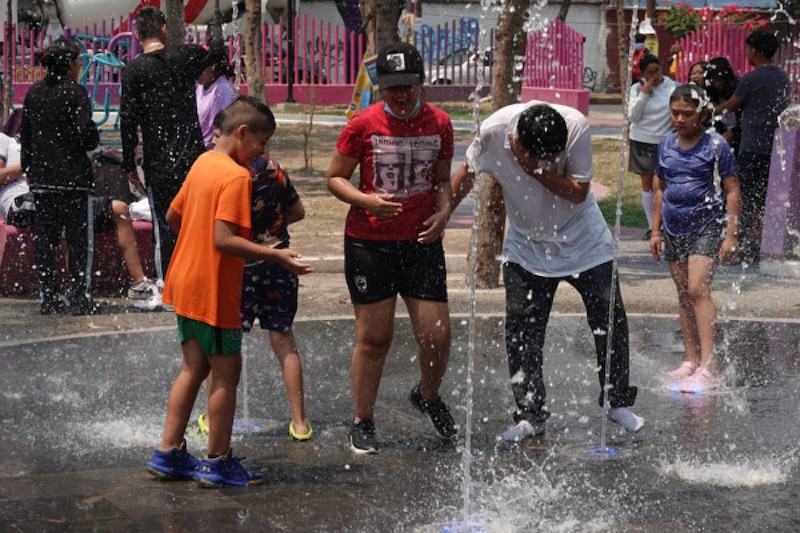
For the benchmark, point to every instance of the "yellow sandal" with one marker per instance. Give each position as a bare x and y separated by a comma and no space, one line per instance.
295,436
202,421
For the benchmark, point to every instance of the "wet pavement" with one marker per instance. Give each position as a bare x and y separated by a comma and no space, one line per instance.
81,415
83,401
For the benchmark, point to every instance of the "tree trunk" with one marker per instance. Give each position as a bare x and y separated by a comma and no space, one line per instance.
252,50
387,14
380,18
623,52
176,29
510,41
368,15
650,11
9,63
562,12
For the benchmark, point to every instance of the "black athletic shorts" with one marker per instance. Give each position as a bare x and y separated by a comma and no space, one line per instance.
103,215
377,270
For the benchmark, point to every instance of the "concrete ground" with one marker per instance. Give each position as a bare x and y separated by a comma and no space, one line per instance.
83,401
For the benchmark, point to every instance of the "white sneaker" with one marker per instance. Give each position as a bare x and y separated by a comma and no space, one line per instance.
152,303
522,431
142,289
626,418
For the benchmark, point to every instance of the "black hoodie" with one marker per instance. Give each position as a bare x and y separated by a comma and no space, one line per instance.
158,96
57,132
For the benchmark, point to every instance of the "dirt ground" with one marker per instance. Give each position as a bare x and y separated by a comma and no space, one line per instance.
307,163
319,237
646,286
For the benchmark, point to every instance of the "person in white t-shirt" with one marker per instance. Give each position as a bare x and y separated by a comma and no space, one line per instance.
648,113
541,155
12,180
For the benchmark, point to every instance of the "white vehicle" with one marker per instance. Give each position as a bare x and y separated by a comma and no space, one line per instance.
53,15
460,67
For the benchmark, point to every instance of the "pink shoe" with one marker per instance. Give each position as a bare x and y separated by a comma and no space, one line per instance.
684,371
701,381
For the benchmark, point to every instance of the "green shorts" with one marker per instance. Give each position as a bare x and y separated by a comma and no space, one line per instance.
213,340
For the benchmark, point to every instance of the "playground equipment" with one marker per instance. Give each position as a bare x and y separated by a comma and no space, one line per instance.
103,70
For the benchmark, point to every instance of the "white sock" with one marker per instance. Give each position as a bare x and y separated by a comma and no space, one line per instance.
648,199
626,418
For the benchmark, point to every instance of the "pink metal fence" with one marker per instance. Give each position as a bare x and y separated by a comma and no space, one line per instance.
788,57
326,57
554,58
720,38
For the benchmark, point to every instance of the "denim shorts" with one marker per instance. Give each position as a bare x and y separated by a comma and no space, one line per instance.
707,243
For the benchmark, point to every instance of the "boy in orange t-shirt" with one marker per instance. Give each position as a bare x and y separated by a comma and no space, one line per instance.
211,214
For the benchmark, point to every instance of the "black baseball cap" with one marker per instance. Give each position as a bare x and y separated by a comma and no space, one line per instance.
763,41
399,64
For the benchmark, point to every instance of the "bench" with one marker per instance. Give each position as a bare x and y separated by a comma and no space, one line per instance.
110,277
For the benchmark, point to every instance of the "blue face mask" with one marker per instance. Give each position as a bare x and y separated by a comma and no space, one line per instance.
390,112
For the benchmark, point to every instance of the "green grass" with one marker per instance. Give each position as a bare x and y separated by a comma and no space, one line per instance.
606,171
289,144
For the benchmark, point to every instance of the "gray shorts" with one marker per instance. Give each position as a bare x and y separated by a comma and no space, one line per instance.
643,158
707,243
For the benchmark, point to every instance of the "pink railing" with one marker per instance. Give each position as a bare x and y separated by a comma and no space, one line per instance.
327,58
554,58
720,38
788,57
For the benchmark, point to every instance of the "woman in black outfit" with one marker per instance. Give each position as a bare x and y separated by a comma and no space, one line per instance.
720,84
58,130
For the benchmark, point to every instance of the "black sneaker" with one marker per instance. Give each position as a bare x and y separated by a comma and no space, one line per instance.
52,307
436,411
84,307
362,437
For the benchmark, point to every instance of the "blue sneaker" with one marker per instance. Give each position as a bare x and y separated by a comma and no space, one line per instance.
226,470
174,464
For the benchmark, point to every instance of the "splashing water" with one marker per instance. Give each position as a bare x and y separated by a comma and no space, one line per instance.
603,451
743,472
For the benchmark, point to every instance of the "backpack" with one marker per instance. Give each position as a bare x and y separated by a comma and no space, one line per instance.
22,212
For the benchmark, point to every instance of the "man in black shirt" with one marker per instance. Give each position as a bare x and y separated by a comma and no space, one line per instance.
158,97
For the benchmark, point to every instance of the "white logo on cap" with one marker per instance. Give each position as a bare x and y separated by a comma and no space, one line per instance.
398,61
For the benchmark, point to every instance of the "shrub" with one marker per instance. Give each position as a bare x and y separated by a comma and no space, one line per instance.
680,18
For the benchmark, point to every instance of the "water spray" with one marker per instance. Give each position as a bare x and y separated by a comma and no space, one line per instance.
603,451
